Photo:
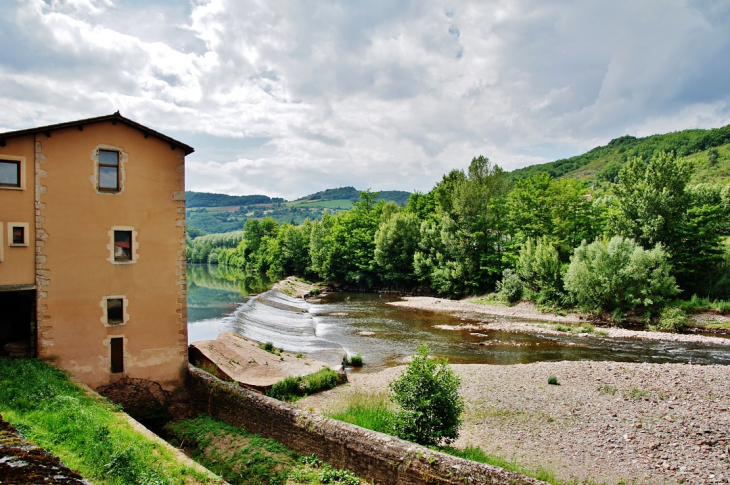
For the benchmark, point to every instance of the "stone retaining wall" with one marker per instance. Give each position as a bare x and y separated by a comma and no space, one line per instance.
374,456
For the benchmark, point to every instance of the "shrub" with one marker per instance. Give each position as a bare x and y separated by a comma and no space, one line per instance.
510,288
553,381
356,360
619,275
673,319
293,388
539,267
430,405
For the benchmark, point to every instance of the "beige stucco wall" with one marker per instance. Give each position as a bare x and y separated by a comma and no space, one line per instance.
17,205
76,271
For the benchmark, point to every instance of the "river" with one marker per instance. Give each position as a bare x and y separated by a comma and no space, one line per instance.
385,335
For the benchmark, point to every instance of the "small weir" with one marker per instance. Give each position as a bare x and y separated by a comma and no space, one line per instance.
385,335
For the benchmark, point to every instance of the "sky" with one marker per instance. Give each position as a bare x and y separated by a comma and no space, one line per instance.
289,97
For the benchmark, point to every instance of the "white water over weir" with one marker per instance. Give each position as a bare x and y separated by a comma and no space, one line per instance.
287,323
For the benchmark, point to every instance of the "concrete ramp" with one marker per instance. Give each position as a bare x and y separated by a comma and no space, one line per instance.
236,358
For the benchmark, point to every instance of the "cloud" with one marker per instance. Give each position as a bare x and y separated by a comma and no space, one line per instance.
292,97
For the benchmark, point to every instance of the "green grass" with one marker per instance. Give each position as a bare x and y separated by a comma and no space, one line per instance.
474,453
244,458
714,324
356,360
376,415
583,328
697,304
490,299
294,388
376,412
87,433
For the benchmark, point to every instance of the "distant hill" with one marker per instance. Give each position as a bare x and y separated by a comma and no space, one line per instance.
603,162
400,197
206,199
219,213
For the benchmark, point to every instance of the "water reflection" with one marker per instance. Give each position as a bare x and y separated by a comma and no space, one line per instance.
215,292
385,335
348,319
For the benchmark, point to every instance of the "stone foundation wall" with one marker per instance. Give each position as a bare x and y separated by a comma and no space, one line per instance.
374,456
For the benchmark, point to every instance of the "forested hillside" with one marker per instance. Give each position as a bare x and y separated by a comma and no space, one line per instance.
400,197
206,199
709,150
220,213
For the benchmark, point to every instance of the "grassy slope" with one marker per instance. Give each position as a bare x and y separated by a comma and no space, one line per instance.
88,434
245,458
693,144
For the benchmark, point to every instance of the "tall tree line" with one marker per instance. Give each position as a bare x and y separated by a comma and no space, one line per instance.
477,227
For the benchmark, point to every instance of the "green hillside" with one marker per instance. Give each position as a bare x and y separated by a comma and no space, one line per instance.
206,199
219,213
400,197
709,149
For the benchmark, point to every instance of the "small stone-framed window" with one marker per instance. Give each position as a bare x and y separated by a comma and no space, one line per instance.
114,310
18,234
123,245
12,172
109,170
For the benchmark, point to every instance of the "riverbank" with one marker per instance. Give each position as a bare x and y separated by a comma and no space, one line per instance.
606,422
525,317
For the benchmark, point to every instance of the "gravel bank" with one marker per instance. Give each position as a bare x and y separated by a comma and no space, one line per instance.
524,317
605,423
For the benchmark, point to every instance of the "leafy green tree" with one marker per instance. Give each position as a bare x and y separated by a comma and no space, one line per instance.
343,248
712,155
654,204
652,200
561,210
540,269
510,288
288,253
619,275
430,406
396,242
421,205
438,262
610,172
530,206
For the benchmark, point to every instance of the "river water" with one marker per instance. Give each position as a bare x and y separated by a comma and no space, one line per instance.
220,300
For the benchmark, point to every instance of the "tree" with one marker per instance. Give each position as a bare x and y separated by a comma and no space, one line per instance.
652,200
395,244
539,267
619,275
430,405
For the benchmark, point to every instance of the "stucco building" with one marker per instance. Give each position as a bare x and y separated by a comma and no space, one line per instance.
92,249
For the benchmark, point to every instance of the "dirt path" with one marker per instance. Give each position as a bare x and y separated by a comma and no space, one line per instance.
605,423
